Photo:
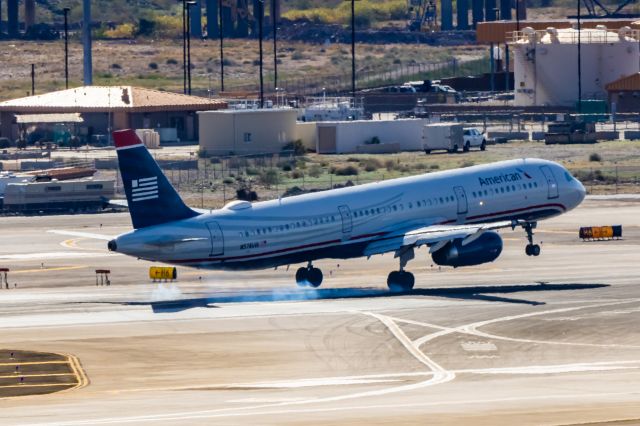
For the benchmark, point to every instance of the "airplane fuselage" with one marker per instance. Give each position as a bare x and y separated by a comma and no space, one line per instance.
342,223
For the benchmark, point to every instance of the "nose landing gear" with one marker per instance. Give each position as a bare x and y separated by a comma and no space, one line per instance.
309,276
531,249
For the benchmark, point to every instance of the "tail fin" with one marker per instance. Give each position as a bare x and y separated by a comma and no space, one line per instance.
151,198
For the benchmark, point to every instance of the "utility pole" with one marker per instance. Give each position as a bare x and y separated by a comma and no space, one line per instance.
66,47
221,50
33,79
86,35
189,5
274,19
184,46
260,30
353,50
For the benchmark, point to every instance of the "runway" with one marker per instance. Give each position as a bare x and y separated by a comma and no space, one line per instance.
552,340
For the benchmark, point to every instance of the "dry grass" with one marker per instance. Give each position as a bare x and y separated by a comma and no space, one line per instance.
132,61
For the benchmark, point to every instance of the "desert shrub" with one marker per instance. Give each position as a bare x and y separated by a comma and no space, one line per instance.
167,26
344,171
269,177
285,166
434,166
296,146
467,164
297,56
297,174
367,11
595,157
390,165
172,61
371,164
153,65
228,180
315,171
252,171
125,30
116,66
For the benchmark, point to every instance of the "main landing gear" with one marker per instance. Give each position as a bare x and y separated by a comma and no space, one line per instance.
531,249
309,276
399,281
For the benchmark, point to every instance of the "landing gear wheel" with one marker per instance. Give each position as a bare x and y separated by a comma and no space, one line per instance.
532,250
314,277
535,250
400,281
301,277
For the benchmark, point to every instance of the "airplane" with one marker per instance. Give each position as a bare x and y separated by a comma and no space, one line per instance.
456,213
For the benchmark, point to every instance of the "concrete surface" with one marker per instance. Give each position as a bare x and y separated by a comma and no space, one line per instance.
551,340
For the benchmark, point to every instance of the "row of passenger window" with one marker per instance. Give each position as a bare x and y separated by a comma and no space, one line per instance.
400,206
356,213
268,230
504,189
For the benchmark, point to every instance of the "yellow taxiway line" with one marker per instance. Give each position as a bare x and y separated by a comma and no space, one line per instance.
38,385
60,268
37,375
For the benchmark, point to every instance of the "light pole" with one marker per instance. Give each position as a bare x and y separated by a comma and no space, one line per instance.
579,64
189,5
66,47
184,46
260,24
221,49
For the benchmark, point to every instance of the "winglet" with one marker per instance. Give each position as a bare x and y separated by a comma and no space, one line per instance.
126,138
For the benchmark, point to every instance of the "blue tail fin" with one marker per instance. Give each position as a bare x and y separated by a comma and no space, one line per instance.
151,198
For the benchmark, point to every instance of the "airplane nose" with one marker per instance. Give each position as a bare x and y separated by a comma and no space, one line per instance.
580,192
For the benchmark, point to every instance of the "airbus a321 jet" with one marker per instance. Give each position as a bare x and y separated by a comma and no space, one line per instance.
455,213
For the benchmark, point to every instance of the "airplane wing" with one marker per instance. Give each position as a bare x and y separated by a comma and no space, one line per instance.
435,236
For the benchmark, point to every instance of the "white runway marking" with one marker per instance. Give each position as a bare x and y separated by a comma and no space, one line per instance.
472,328
53,255
82,234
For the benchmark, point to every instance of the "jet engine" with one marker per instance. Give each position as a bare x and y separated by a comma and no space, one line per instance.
486,248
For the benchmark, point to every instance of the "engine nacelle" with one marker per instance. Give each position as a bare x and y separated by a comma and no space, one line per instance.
486,248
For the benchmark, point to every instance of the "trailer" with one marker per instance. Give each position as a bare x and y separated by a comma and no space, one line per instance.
443,136
58,196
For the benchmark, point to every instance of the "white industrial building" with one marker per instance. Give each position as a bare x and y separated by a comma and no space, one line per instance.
546,63
243,132
338,137
267,131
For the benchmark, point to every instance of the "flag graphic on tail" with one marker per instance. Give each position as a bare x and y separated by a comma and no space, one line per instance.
144,189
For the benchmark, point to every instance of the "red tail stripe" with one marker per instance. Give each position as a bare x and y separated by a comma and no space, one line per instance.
127,137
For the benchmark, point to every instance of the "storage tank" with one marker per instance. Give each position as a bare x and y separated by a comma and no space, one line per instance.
546,63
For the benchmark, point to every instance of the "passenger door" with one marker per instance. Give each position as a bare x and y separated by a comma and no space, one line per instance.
552,184
461,197
217,239
347,221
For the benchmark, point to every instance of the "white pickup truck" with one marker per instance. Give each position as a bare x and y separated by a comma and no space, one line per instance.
473,138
